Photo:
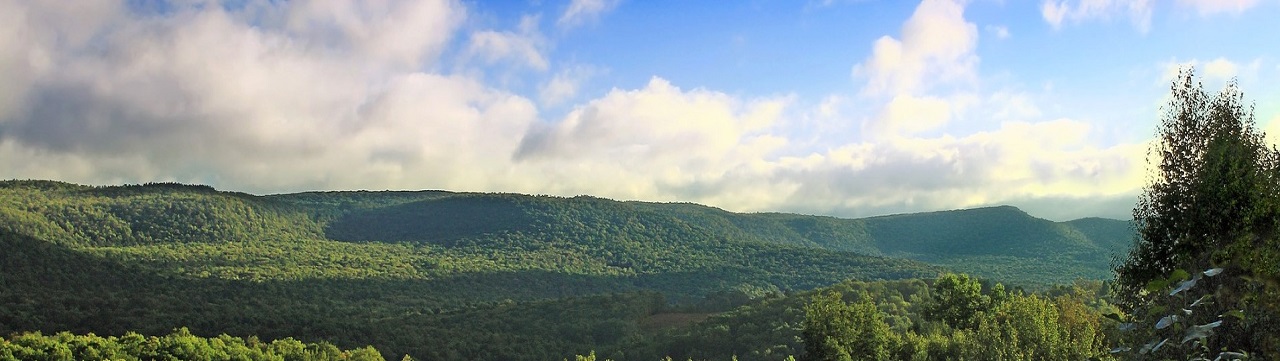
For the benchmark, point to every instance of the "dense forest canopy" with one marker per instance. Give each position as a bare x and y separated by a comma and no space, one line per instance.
444,275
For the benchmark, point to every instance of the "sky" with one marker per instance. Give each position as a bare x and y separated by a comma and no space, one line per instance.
847,108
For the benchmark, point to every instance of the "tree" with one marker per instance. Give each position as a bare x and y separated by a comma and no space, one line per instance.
1215,186
835,330
1213,200
958,300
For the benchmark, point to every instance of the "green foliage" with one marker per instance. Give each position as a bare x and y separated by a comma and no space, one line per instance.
443,275
1004,243
178,345
958,301
144,214
1214,202
771,328
1182,318
835,330
1020,327
1065,323
115,259
1215,193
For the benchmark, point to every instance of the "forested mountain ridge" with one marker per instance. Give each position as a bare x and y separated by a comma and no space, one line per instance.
1000,242
996,242
402,270
152,258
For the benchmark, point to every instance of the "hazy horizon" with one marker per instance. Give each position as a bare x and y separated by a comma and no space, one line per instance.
764,211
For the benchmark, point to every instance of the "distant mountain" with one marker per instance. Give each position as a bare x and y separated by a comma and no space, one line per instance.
996,242
362,267
592,233
1002,243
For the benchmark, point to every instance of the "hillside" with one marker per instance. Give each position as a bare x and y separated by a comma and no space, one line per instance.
1005,243
390,268
1002,243
156,257
996,242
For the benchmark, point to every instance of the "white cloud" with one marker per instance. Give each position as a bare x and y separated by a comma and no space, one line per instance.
1018,161
830,106
565,84
1000,31
1012,106
1221,68
524,47
937,46
31,38
664,143
658,142
400,33
1211,7
309,96
582,11
907,114
1215,72
1058,12
660,119
304,96
936,54
928,80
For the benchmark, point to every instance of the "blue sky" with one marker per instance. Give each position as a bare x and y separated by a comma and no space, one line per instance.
845,108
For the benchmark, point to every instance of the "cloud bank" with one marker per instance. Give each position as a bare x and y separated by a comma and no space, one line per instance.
1060,12
284,96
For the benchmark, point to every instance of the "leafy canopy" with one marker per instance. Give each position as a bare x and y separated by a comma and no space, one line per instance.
1213,201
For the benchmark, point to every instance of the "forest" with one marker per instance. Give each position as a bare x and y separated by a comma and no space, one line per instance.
441,275
178,271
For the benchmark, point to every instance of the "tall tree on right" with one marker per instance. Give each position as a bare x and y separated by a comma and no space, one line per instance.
1213,201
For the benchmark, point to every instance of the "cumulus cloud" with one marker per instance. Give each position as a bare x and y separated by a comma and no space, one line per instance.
1210,7
659,123
32,37
1221,68
402,33
1020,160
285,96
922,83
936,51
565,84
524,46
661,142
1058,12
582,11
937,45
907,114
291,96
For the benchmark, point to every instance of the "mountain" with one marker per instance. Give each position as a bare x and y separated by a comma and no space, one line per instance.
1002,243
439,274
997,242
1005,243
